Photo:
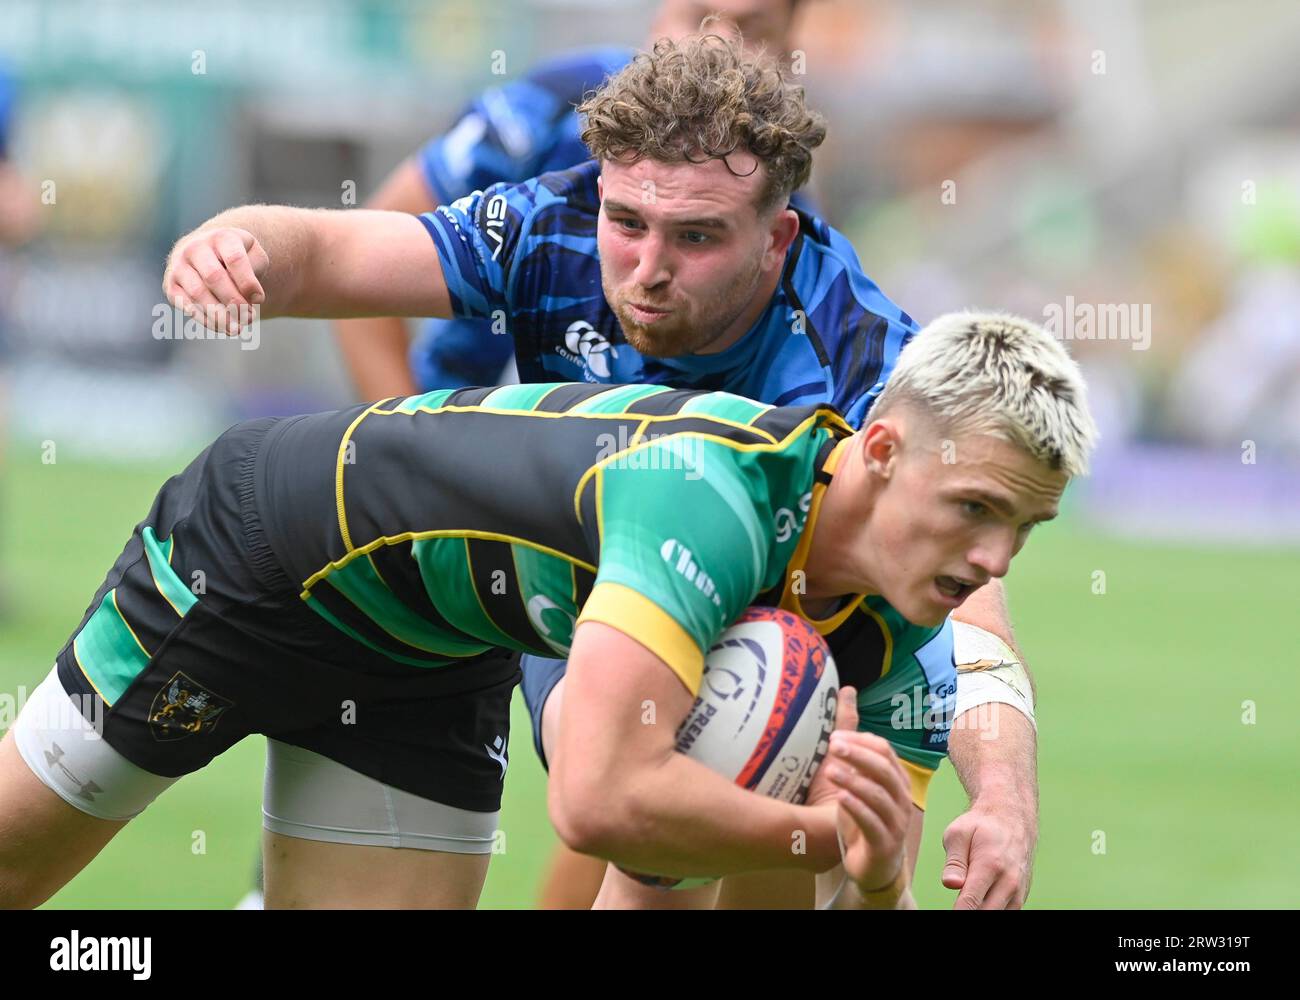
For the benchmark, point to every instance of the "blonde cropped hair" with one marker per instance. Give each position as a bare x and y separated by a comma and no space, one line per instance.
991,373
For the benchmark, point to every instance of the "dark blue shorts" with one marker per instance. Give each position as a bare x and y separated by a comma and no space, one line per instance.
540,677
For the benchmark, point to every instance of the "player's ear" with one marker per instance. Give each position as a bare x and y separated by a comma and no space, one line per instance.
781,233
600,187
880,447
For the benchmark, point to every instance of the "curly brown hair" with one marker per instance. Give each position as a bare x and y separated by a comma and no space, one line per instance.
704,98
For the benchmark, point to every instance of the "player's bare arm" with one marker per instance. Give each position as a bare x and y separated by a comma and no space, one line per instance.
375,347
994,749
990,847
620,790
305,262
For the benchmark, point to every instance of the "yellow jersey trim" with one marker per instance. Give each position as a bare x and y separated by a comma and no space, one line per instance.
639,618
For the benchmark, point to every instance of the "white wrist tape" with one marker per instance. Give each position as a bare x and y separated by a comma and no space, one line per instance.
988,670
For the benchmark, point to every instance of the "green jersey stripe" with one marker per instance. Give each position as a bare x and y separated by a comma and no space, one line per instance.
325,613
447,558
360,584
497,583
516,397
425,401
109,654
726,406
618,399
179,596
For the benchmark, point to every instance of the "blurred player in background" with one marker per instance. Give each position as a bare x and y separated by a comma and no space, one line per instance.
19,222
673,259
509,134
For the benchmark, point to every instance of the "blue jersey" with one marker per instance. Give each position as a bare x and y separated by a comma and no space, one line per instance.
525,255
520,129
8,97
508,134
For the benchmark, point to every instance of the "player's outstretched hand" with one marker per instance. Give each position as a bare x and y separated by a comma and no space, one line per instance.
875,808
990,858
213,275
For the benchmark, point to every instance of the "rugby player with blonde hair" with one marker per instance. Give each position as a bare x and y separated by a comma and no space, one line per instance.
673,258
352,557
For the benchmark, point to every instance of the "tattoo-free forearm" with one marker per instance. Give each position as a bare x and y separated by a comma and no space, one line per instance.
682,818
993,749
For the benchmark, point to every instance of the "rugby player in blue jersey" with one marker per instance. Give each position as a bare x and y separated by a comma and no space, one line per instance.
673,259
511,133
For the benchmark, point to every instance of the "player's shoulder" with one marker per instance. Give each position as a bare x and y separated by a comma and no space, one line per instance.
827,276
564,200
855,329
575,187
570,74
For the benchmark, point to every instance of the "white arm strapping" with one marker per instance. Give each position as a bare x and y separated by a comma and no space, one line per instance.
988,670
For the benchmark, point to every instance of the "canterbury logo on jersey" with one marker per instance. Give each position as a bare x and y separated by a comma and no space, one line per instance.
588,346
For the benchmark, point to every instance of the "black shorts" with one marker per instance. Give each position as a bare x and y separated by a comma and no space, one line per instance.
198,638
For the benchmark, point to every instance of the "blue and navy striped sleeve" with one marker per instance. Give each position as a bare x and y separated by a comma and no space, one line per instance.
858,331
477,237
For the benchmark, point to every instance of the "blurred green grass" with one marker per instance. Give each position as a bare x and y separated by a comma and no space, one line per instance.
1141,693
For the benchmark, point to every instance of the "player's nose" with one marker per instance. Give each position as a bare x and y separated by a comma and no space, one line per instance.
992,556
652,267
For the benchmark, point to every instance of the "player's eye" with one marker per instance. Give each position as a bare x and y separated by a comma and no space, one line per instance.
973,508
631,225
695,238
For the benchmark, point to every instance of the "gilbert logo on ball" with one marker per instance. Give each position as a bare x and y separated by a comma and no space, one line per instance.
765,710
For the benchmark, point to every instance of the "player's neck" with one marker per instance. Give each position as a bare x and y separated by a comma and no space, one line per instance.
837,563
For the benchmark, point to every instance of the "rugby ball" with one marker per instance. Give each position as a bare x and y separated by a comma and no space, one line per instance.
765,710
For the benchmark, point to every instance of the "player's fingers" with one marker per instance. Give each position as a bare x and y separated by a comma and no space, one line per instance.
866,819
956,844
979,880
846,709
874,757
234,256
197,301
205,261
884,850
1002,894
184,286
873,795
257,257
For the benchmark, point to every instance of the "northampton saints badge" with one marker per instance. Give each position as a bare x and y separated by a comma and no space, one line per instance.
184,708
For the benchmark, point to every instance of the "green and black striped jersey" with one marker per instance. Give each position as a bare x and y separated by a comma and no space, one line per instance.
434,528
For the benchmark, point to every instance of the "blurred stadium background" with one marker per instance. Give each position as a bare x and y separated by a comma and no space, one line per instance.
1128,170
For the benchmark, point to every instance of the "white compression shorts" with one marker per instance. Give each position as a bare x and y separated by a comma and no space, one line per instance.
988,670
305,795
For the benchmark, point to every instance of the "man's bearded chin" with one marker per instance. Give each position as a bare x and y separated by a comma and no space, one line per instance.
666,339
